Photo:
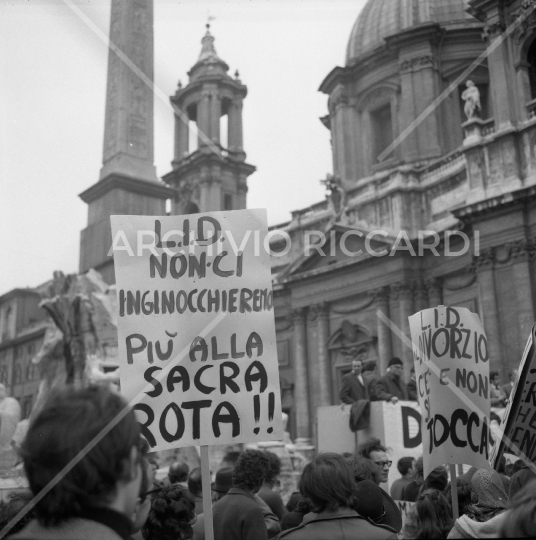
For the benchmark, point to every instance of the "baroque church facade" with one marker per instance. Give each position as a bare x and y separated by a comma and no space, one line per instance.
405,158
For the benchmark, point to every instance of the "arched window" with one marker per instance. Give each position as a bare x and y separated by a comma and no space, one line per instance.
191,208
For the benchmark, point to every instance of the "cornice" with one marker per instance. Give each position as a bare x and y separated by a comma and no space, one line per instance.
132,185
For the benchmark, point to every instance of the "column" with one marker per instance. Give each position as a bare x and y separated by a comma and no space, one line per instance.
234,136
523,289
203,115
301,384
181,137
385,351
215,114
324,371
483,265
405,302
434,287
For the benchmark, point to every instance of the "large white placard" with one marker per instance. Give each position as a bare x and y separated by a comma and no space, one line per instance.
196,329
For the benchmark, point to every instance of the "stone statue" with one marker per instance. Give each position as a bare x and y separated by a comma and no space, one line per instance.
337,194
10,413
471,96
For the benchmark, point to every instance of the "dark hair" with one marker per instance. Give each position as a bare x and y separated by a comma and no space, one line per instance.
250,469
463,487
178,472
363,469
328,481
17,500
195,483
372,445
369,366
521,522
431,517
172,510
493,374
274,467
70,420
404,465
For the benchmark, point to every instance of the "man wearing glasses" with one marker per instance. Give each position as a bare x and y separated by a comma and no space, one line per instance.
391,386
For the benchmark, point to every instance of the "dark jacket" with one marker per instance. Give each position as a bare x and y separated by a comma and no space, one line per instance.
352,390
238,517
273,500
340,525
388,386
412,390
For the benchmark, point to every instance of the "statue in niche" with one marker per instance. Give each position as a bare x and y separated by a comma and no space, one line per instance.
471,96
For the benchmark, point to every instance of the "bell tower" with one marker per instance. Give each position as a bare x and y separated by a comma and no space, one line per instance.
209,168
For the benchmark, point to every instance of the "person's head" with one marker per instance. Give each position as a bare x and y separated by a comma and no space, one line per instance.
364,469
223,482
195,484
357,366
396,367
143,504
488,490
171,516
494,377
374,450
178,472
437,479
464,494
431,517
418,471
405,465
512,375
369,501
369,367
328,481
274,468
521,522
250,470
108,475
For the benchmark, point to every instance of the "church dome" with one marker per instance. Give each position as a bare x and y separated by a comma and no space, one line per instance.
382,18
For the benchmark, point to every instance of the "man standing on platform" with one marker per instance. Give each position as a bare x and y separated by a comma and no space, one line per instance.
354,387
391,387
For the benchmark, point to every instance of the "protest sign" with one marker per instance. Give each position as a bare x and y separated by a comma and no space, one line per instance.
197,347
517,433
451,358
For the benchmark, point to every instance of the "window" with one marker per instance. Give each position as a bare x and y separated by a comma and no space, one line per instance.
382,130
531,60
227,201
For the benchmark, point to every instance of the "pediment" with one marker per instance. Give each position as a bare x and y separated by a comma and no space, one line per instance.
336,247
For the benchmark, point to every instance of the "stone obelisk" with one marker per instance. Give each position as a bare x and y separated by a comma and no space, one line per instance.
128,183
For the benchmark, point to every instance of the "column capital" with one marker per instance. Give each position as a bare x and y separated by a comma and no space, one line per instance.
403,290
484,261
319,310
433,285
298,315
380,295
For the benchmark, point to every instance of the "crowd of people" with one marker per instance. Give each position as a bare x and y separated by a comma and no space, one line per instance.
363,383
92,476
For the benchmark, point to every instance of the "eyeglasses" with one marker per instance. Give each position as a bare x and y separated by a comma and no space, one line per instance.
382,464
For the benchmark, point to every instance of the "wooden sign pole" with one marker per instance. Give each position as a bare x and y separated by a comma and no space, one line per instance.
454,488
207,494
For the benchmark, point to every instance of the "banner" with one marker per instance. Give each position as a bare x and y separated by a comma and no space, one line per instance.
197,347
451,358
517,433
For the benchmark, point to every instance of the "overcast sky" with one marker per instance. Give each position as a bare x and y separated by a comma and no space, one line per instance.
52,94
